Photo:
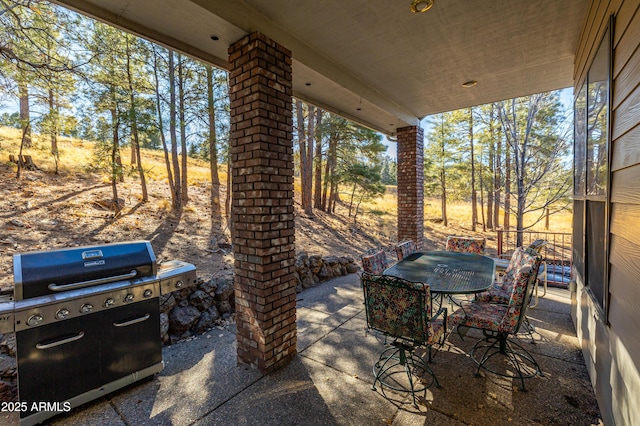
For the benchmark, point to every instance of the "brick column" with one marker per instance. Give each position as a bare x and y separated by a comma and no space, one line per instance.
411,184
262,207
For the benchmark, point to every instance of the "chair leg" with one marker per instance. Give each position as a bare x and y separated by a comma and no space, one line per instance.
517,355
529,328
400,361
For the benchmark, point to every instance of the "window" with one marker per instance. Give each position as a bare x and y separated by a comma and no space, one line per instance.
579,167
591,175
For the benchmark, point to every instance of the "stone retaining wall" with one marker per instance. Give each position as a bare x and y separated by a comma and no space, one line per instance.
311,270
196,309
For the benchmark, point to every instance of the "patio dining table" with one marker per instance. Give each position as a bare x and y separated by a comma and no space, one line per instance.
447,272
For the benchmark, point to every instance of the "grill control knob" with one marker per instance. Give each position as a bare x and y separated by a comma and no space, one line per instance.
109,302
179,284
128,298
147,293
62,313
35,319
86,308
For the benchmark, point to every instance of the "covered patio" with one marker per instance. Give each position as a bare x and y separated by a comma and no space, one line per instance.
374,62
329,382
379,64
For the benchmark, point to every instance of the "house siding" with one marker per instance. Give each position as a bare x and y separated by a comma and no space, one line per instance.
610,338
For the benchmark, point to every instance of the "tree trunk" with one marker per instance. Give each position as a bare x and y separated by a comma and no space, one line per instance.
177,198
443,175
353,194
183,132
161,130
307,203
302,148
53,131
474,201
492,168
497,176
484,222
507,187
116,163
329,175
317,193
25,119
213,149
546,219
135,143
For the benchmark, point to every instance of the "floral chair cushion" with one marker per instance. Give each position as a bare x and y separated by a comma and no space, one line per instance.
501,291
405,248
374,263
502,318
466,244
401,309
495,295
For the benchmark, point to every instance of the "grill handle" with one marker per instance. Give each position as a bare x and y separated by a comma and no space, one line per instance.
133,321
82,284
60,342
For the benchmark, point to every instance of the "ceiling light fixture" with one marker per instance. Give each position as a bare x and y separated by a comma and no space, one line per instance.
419,6
469,83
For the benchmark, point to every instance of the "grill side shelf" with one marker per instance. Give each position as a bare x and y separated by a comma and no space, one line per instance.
176,275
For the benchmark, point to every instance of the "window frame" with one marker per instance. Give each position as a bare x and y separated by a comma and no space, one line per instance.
585,198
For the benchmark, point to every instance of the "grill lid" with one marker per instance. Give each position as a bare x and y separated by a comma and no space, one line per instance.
53,271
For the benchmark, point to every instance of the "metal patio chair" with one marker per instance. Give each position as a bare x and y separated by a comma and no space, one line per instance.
466,244
405,248
501,291
499,322
402,311
374,262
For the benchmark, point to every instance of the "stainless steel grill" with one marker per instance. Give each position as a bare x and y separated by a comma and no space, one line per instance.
87,321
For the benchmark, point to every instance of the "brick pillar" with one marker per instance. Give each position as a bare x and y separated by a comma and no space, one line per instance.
262,207
411,184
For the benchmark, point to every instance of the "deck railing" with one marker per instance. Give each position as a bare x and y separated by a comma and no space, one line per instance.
556,254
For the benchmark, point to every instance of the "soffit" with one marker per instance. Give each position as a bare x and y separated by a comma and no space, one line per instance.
374,61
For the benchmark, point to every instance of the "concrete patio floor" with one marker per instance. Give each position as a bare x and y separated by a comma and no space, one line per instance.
329,382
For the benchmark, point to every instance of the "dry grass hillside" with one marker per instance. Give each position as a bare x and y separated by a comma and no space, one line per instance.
42,210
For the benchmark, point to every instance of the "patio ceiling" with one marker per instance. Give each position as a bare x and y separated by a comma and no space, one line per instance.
374,61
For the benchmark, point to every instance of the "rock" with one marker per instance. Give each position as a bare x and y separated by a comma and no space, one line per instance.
183,294
167,302
307,280
17,222
201,300
331,260
164,325
302,261
209,287
207,319
8,392
324,273
315,263
225,287
352,268
8,366
224,306
182,318
8,344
